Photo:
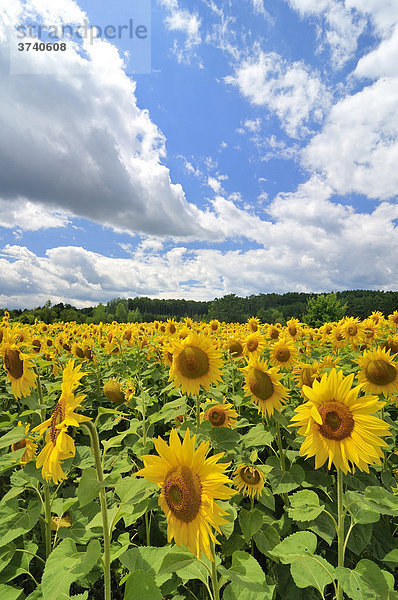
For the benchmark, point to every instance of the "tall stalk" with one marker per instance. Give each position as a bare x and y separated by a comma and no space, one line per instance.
95,447
340,528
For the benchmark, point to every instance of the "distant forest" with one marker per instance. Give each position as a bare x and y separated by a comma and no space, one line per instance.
268,308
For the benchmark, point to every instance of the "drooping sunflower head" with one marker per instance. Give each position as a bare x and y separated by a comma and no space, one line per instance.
190,484
234,347
283,353
29,443
391,344
18,366
221,414
196,362
393,318
249,480
379,372
305,374
113,391
338,425
263,385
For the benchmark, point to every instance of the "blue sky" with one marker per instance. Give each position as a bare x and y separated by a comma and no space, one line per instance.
256,152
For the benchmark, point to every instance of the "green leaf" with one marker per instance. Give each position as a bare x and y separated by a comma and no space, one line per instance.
286,481
391,556
250,522
19,563
224,439
246,572
147,558
65,565
14,523
12,437
89,486
305,506
381,500
322,526
267,498
365,581
294,546
312,571
258,436
360,512
134,490
360,538
237,592
174,561
267,539
141,584
6,555
9,593
231,511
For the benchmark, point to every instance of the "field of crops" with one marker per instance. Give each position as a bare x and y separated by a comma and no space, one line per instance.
185,460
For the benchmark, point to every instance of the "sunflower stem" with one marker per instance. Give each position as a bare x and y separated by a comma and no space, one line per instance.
147,529
197,410
340,529
47,518
40,393
95,447
214,577
281,457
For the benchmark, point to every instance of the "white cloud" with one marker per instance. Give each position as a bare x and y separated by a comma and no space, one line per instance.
340,26
312,244
357,150
29,216
78,141
290,90
259,9
382,62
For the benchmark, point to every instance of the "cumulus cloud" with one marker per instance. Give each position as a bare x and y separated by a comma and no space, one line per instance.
357,150
78,140
291,90
23,214
311,244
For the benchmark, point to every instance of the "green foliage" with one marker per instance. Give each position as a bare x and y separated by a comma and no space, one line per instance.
325,307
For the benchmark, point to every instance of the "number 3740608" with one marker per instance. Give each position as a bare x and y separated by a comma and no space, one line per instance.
42,47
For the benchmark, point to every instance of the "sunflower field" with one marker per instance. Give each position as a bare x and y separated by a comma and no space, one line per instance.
194,461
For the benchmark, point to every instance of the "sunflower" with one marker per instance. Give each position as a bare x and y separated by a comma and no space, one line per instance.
171,326
391,343
379,373
254,324
234,347
214,325
352,331
283,353
337,337
58,522
28,443
59,445
393,318
294,328
249,480
196,362
19,369
221,415
254,344
263,385
306,374
338,425
114,392
189,485
274,331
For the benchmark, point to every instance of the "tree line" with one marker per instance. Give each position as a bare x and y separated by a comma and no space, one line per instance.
269,308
